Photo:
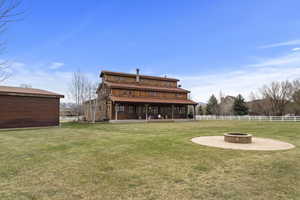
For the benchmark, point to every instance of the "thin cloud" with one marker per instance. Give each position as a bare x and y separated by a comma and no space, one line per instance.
56,65
296,49
280,44
291,58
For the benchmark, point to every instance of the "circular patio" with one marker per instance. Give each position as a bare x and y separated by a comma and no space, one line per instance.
259,144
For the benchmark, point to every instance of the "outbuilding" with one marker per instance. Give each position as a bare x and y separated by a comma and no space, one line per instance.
28,107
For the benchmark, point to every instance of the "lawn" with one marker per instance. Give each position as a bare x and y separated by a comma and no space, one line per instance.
146,161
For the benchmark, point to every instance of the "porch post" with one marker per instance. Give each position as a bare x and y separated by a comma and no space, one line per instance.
172,111
116,111
194,112
95,110
146,105
187,111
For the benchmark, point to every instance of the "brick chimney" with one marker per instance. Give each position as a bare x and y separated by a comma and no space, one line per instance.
137,75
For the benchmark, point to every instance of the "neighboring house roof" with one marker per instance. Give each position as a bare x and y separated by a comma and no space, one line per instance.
144,87
152,100
18,91
134,75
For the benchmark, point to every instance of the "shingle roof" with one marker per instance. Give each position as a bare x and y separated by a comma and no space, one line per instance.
152,100
144,87
134,75
18,91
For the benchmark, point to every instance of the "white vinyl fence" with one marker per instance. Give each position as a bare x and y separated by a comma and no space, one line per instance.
70,119
249,118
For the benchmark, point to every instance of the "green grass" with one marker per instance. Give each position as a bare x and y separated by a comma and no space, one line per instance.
146,161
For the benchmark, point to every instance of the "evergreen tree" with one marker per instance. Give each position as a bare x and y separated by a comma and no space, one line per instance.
240,106
200,110
212,107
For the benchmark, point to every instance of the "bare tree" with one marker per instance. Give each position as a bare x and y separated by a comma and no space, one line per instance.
4,71
258,106
278,95
296,91
293,107
8,14
77,90
92,103
226,105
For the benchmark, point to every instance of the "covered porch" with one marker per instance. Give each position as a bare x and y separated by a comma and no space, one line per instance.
152,109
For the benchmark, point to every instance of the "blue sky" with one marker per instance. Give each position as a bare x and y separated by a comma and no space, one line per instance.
231,46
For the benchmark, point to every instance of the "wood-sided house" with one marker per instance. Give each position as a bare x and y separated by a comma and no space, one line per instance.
134,96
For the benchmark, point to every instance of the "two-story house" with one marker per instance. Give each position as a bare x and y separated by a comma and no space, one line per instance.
134,96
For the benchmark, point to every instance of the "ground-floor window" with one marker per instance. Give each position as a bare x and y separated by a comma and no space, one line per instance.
139,109
166,109
182,110
131,109
121,108
153,109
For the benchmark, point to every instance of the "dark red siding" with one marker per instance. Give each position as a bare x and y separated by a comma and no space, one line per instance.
25,111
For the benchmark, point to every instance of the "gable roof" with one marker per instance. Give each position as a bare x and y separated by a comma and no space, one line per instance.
144,87
19,91
104,72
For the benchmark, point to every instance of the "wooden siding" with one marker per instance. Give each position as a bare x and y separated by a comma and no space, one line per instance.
138,93
143,81
22,111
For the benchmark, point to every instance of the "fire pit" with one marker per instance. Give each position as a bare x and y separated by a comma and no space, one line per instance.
242,138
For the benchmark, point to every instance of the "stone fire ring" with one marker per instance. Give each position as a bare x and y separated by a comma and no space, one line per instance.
259,144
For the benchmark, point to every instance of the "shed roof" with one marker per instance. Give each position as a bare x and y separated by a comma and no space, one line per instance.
145,87
19,91
152,100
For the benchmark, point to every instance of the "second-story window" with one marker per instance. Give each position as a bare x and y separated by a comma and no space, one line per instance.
178,95
120,79
153,94
127,93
